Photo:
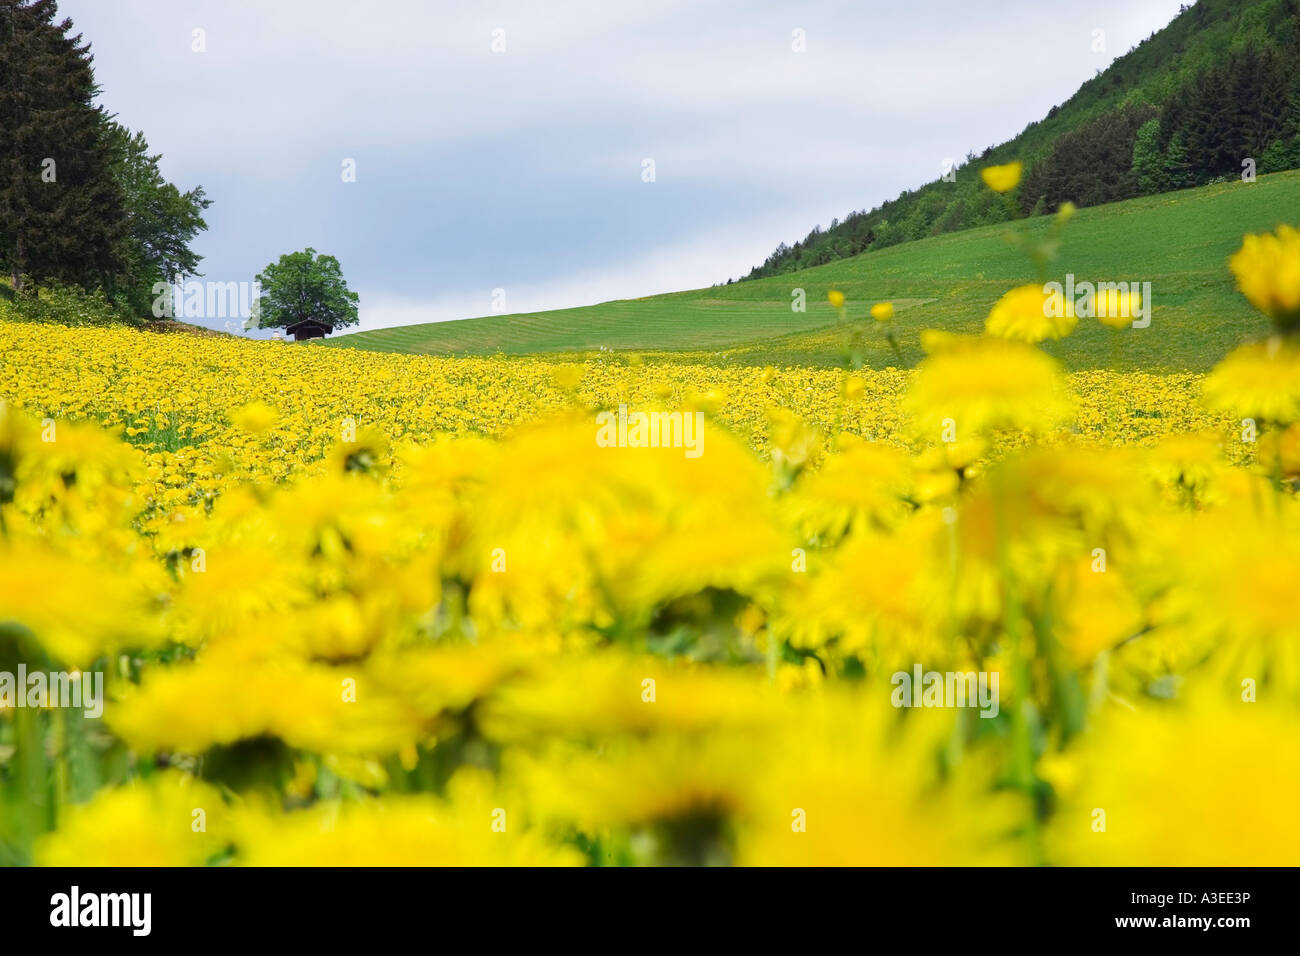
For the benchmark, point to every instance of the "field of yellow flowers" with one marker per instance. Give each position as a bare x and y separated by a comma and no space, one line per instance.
337,607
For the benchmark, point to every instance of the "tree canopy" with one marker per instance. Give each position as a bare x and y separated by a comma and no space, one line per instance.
161,222
305,286
61,208
82,200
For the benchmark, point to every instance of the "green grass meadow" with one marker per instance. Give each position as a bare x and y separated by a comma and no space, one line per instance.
1179,242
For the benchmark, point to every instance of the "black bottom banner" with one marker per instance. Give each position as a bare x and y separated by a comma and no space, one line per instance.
225,904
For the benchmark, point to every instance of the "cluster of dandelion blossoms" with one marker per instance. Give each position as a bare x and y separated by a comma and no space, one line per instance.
365,608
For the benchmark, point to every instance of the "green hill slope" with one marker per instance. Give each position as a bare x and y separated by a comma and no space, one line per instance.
1183,108
1179,242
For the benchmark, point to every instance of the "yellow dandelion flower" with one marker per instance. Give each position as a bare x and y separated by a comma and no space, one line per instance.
256,418
228,698
678,799
1194,460
1116,307
1098,610
1260,381
973,385
116,607
849,784
1236,574
567,377
1279,452
394,831
1267,268
1029,313
153,822
1003,178
866,485
1141,789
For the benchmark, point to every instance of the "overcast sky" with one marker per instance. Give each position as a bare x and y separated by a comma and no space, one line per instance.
523,170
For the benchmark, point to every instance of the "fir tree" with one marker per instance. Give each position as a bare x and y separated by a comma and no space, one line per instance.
61,209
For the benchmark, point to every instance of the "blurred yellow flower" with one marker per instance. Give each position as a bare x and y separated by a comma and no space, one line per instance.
1003,178
1029,313
1279,452
1260,381
1267,268
970,385
854,786
1206,782
398,831
256,418
567,377
169,820
1117,307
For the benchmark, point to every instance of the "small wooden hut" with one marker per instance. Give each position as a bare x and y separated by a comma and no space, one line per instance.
308,329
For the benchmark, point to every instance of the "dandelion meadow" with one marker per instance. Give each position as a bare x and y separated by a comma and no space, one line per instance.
938,597
389,593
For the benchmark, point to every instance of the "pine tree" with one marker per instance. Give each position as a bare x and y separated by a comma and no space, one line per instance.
1179,173
61,209
1148,160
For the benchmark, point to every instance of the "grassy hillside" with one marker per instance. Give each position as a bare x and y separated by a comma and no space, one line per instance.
1179,242
1220,82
